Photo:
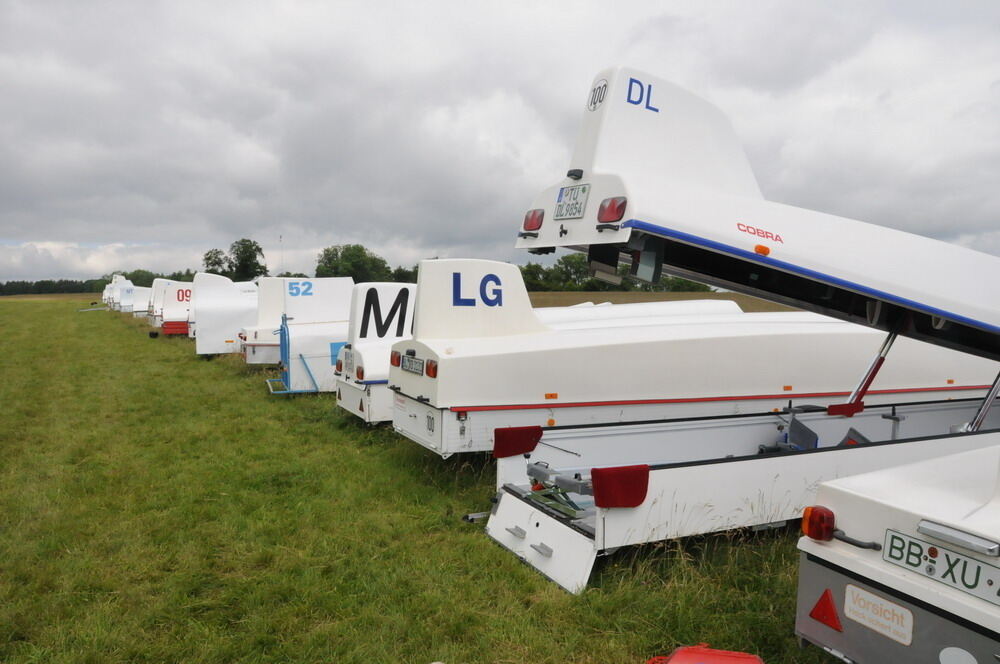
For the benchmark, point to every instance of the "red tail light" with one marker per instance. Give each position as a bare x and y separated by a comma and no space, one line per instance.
624,486
359,372
395,358
818,523
612,209
533,220
340,365
431,369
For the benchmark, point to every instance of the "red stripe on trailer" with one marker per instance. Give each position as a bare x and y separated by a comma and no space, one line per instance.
639,402
622,486
175,327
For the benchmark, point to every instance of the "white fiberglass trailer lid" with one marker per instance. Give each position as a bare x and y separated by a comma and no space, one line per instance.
159,289
220,308
140,301
371,398
503,365
381,314
905,564
118,283
309,348
125,293
718,230
300,300
176,306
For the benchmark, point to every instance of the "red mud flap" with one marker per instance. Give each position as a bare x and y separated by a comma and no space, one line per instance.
702,654
172,327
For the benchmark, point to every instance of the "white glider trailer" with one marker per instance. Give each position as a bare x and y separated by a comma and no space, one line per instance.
159,289
135,300
176,307
311,334
658,177
297,299
471,369
220,308
381,314
114,291
903,564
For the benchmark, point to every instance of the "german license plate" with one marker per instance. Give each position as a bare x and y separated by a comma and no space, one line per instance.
951,568
412,364
571,202
348,361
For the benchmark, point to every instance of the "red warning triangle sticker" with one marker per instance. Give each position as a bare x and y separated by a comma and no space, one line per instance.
361,405
825,611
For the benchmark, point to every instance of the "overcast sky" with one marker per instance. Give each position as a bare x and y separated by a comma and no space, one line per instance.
141,134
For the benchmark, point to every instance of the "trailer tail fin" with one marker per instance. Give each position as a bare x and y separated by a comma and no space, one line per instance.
381,311
471,298
639,125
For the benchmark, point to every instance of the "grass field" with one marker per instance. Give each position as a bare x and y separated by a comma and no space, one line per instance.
158,507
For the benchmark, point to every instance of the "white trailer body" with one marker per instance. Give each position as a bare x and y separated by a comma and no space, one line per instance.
312,332
125,291
140,301
115,288
176,306
300,301
674,188
503,366
371,398
906,567
381,314
159,289
220,308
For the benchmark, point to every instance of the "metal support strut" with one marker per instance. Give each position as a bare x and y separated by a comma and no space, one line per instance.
984,407
854,403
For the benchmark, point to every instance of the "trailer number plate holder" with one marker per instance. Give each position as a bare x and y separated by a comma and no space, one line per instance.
412,364
943,565
571,202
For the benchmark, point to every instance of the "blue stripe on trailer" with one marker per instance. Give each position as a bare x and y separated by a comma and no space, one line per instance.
805,272
372,382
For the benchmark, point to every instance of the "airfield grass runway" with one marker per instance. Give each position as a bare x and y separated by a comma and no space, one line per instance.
159,507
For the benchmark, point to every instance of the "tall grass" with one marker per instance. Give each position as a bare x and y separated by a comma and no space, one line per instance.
159,507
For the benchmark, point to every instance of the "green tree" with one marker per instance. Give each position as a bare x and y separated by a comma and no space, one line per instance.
141,277
245,260
214,261
404,275
352,260
536,277
293,275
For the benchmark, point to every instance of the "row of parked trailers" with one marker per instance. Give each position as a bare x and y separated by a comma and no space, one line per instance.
616,425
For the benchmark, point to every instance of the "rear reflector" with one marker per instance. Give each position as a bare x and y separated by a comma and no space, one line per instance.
533,219
612,209
340,366
395,358
431,369
512,441
623,486
818,523
359,372
825,612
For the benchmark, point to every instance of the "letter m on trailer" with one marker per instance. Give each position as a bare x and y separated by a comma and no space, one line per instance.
372,312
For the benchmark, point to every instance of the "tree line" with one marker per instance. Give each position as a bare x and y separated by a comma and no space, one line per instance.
245,261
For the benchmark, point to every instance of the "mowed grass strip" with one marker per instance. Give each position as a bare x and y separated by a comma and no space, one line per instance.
160,507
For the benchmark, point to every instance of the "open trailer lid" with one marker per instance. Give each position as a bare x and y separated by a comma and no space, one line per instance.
659,178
